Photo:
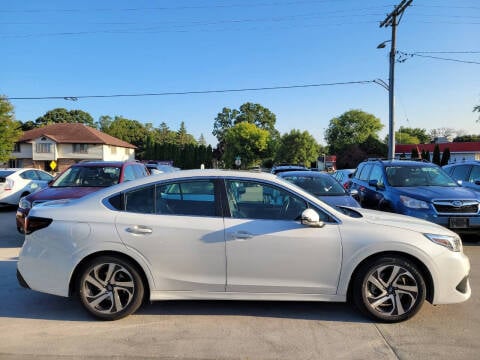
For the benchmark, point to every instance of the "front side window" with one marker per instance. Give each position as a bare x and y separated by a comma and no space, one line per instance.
377,175
129,174
256,200
460,172
365,172
475,174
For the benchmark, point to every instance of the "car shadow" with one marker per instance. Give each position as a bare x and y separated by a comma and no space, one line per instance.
18,302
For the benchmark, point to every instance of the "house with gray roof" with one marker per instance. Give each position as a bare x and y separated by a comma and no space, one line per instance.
57,146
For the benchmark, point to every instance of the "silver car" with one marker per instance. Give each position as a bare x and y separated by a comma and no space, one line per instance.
210,234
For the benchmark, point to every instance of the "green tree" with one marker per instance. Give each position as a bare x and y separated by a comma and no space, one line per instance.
164,135
223,122
61,115
407,135
183,137
131,131
415,154
352,127
297,147
247,141
445,157
10,129
251,113
202,141
467,138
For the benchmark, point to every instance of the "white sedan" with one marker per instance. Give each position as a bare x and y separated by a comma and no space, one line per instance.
16,183
211,234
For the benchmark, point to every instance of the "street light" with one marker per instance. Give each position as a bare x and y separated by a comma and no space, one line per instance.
391,98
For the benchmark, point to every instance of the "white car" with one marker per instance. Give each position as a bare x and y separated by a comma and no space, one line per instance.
211,234
17,183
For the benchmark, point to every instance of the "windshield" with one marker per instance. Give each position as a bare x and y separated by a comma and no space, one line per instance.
317,185
96,176
406,176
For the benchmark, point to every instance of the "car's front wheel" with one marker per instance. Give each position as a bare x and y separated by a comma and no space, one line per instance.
389,289
110,288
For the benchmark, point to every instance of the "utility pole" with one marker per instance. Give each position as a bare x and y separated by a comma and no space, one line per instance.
393,19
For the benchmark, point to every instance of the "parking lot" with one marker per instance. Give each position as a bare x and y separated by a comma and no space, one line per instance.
40,326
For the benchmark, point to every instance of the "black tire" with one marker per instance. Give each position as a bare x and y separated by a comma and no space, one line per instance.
389,289
110,288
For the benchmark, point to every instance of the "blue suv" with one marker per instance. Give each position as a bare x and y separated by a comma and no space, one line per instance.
418,189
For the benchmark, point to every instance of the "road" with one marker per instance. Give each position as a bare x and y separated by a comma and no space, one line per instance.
41,326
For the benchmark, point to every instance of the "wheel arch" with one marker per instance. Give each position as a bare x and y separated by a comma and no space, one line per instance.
427,276
77,271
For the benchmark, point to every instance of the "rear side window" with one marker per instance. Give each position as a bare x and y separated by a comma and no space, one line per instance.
129,173
194,198
29,175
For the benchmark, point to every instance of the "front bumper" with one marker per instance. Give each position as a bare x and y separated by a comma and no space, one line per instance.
452,284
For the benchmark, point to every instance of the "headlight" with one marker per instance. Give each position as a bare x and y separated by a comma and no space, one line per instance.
413,203
451,242
24,204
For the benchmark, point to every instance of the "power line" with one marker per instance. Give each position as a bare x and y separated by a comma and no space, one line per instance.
75,98
405,56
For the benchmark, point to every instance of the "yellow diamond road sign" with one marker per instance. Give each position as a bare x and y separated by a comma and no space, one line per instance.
53,165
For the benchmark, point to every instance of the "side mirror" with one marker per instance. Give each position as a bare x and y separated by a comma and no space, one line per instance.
310,218
373,183
353,192
460,182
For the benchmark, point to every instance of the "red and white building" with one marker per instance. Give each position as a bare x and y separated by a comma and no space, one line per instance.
459,151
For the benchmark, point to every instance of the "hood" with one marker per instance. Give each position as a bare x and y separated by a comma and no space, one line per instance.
56,193
429,193
340,200
402,222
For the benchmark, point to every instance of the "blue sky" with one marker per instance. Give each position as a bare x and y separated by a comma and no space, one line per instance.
61,48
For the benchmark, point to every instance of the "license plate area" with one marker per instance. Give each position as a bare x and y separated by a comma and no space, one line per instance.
458,223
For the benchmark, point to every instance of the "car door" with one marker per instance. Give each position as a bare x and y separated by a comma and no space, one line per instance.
179,234
269,250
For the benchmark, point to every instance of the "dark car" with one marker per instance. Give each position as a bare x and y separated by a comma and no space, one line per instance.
418,189
343,176
285,167
322,185
468,172
79,180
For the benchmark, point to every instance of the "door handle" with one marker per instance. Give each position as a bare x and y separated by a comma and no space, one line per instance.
242,235
139,230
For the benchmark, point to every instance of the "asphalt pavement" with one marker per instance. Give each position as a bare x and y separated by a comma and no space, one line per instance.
40,326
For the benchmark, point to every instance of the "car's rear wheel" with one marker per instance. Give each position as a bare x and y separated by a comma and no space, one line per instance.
389,289
110,288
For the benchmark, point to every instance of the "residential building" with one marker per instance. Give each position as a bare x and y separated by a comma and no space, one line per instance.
57,146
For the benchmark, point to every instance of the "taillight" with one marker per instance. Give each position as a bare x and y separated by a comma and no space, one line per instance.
33,223
9,184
